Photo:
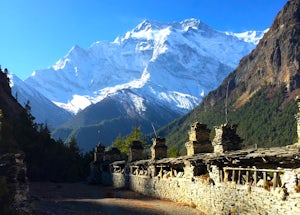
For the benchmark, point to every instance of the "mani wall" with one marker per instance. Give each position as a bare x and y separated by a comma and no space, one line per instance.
216,177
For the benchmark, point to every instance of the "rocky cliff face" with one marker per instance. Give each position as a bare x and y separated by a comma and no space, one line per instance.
275,61
13,169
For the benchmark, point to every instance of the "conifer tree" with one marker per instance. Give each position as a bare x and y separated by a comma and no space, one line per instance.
124,144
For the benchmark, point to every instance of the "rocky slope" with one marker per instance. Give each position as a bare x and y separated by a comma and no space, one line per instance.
275,60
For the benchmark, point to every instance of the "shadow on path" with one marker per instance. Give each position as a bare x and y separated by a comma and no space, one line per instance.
80,198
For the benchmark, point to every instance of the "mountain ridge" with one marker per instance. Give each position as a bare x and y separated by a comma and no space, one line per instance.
167,69
261,90
146,51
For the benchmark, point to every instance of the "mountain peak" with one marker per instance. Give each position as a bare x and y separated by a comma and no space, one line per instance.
75,53
193,24
149,25
183,25
149,30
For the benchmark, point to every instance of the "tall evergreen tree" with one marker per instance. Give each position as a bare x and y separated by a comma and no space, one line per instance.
123,144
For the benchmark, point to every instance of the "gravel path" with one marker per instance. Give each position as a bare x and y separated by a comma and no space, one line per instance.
79,198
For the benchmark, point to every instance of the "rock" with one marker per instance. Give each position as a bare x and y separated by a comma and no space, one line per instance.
13,169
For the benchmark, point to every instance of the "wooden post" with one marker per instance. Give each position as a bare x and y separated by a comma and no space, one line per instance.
275,182
265,176
247,176
233,176
255,177
221,175
225,175
239,177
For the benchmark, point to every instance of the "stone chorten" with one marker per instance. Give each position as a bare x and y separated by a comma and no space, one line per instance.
198,140
99,152
136,151
158,148
112,154
226,138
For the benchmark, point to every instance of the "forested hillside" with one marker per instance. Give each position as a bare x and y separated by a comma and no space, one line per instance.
266,120
45,158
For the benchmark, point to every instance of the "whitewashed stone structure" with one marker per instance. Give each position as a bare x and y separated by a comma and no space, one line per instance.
225,181
158,148
226,138
135,151
198,139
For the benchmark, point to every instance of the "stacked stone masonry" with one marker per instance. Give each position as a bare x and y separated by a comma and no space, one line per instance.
219,178
211,195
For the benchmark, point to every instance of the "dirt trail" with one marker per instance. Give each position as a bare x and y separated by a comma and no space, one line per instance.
80,198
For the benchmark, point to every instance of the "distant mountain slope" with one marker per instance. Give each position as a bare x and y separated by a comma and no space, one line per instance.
43,109
260,90
113,116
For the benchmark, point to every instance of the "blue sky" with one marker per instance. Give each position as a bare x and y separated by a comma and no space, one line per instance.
37,33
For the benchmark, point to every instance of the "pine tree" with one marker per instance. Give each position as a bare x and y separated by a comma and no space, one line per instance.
124,144
119,143
7,141
73,146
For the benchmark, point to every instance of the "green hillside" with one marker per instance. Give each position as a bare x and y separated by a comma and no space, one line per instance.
266,120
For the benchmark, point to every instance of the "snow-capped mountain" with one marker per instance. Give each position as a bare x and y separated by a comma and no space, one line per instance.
249,36
175,63
153,73
114,115
45,111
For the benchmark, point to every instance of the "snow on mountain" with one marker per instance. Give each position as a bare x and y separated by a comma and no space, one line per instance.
249,36
175,64
41,107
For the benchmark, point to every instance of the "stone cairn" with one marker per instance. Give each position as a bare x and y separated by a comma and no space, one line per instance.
135,151
226,138
198,140
158,148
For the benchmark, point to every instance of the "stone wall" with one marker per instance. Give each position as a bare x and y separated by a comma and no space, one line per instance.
225,181
211,198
